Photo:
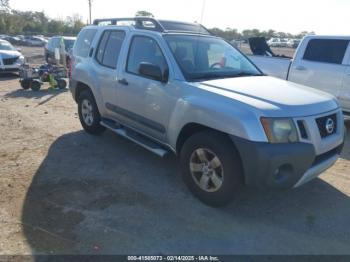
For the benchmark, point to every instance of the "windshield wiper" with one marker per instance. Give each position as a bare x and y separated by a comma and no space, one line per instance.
209,76
246,74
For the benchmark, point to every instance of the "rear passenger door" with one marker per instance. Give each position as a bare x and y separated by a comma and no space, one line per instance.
105,65
321,66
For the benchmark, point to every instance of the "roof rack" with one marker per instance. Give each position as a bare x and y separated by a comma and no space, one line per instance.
148,23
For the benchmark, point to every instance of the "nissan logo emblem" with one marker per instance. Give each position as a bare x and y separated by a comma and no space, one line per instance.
330,125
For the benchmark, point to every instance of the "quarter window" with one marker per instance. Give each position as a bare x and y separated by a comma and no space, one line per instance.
145,50
84,42
326,50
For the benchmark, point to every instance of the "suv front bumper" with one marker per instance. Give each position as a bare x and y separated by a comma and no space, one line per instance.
282,166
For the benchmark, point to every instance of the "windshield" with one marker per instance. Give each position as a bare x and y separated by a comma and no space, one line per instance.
202,58
6,46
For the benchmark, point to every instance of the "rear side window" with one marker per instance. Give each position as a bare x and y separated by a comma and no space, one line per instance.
109,48
326,50
84,42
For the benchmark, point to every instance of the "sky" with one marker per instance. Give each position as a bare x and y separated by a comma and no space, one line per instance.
321,16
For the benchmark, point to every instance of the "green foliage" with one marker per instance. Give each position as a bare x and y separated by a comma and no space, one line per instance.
144,13
19,22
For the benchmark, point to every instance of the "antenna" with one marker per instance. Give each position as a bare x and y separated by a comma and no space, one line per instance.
202,12
90,11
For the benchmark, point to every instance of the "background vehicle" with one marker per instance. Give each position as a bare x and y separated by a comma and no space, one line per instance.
173,87
277,42
293,43
321,62
34,41
54,43
10,58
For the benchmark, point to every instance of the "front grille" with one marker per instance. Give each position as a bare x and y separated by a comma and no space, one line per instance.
9,61
325,127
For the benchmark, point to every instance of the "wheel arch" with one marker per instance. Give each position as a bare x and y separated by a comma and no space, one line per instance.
192,128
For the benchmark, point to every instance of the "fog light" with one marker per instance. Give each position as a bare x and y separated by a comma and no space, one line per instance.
283,173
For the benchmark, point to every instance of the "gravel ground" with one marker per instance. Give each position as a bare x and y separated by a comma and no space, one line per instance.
63,191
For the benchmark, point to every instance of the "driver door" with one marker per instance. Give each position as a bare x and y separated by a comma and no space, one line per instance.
144,103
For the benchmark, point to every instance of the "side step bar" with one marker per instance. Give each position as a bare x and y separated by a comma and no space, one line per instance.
135,137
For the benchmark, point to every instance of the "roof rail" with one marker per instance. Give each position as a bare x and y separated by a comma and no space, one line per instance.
163,26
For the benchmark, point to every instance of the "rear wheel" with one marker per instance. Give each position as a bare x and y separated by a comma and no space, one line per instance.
211,167
35,85
88,113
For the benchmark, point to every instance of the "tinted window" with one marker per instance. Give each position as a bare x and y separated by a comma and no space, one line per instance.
68,44
145,49
101,47
109,48
84,41
326,50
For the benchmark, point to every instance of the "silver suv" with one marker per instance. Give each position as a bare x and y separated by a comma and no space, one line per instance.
173,87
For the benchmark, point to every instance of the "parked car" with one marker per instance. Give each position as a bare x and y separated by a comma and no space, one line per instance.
277,42
293,43
35,41
54,43
321,62
10,58
173,87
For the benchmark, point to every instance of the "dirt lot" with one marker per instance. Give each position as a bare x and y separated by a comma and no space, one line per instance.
63,191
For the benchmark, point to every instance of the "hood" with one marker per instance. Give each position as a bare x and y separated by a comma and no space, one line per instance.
273,97
9,53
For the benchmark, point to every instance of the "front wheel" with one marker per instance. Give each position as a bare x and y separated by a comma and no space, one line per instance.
211,168
89,115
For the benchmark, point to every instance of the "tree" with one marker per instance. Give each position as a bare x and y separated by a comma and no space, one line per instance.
4,5
144,13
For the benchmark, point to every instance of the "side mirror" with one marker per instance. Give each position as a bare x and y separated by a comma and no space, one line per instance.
153,71
19,49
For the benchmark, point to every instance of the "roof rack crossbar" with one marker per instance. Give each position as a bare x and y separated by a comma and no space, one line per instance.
139,22
156,24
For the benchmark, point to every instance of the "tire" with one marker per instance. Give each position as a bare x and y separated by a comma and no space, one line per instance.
35,85
89,115
61,83
227,172
25,84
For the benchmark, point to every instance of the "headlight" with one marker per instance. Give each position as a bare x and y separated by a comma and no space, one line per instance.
21,60
280,130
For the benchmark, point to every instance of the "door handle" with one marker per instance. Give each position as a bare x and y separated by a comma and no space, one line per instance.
123,82
300,68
